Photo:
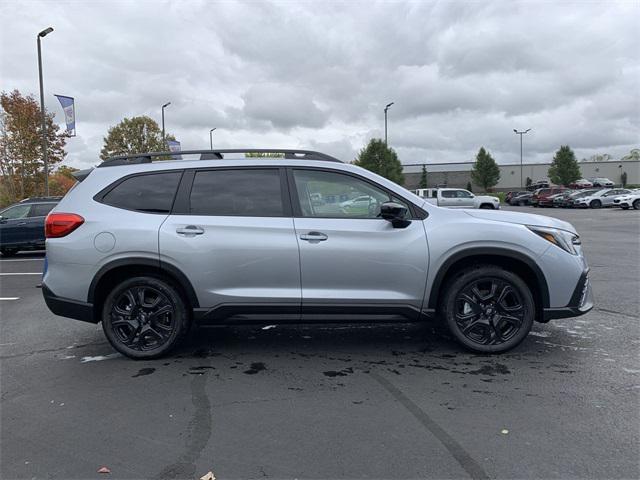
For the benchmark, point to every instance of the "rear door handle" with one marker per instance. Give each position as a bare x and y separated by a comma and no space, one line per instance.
190,230
314,237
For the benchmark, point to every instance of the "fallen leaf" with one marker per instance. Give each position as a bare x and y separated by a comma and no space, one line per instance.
104,470
504,431
208,476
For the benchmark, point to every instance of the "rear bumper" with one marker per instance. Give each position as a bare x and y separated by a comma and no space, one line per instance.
581,301
66,307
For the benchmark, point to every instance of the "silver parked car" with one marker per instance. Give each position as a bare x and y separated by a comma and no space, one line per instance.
149,248
600,198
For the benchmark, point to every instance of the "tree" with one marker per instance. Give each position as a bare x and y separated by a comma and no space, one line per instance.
564,169
134,135
423,177
634,154
623,179
379,158
528,182
21,155
486,172
469,187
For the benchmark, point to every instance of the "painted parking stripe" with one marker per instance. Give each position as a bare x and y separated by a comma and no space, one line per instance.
9,298
19,273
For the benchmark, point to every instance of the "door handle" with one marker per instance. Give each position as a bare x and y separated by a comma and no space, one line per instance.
314,237
21,223
190,230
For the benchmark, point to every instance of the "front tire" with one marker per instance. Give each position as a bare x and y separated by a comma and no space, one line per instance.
487,206
636,204
595,204
144,317
488,309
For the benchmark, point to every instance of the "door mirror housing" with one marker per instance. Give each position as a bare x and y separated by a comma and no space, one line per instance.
395,213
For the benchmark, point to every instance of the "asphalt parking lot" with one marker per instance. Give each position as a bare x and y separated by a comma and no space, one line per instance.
360,401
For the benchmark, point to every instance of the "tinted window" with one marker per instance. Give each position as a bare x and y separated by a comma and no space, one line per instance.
335,195
145,193
41,209
449,194
245,192
463,194
19,211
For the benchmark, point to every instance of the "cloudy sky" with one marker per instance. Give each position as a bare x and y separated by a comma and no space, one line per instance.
318,74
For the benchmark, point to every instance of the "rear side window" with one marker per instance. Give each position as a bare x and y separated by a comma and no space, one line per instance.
41,209
242,192
152,193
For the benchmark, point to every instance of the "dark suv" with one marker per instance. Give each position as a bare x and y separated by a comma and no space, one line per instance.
22,224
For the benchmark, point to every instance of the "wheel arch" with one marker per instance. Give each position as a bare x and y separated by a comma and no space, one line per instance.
115,270
516,262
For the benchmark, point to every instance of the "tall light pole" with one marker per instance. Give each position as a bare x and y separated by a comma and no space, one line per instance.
163,107
211,137
385,122
43,119
521,134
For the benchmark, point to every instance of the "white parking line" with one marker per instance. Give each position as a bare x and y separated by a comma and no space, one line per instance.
20,273
9,298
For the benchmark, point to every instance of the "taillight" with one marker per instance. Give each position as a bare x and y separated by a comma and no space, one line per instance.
61,224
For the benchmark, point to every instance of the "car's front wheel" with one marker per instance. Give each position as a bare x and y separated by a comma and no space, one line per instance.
487,206
636,204
595,204
144,317
488,309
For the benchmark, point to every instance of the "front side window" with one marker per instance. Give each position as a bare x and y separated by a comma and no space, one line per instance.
13,213
243,192
151,193
336,195
41,209
464,194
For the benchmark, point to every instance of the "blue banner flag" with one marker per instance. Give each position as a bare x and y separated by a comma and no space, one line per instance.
69,108
174,146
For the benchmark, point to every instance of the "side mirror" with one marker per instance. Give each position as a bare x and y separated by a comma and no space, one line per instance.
395,213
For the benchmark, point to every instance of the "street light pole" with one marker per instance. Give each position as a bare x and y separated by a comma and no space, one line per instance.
163,107
521,134
385,122
43,118
211,137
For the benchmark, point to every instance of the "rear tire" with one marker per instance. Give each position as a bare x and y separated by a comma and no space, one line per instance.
8,252
488,309
486,206
144,317
636,204
595,204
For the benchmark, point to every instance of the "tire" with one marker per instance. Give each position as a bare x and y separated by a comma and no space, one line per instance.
625,208
144,317
595,204
8,252
491,320
486,206
636,204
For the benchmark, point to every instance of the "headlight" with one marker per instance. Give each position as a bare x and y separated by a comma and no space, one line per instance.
560,238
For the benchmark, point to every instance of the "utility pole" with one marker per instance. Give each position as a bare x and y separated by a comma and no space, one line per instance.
43,119
385,122
521,134
211,137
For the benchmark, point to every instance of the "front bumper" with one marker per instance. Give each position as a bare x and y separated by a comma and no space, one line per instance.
66,307
581,301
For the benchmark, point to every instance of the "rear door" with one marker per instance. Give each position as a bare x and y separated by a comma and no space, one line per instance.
13,225
34,231
231,233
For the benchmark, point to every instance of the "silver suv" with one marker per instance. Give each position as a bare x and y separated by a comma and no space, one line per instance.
149,248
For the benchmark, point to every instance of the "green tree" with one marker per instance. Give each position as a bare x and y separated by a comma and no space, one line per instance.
469,187
423,177
528,182
486,172
21,156
564,169
134,135
379,158
623,179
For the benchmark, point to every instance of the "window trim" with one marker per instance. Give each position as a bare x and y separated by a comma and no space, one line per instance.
416,212
182,202
99,197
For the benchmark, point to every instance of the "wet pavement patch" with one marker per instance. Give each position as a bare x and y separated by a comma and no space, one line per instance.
144,371
498,368
255,368
200,370
341,373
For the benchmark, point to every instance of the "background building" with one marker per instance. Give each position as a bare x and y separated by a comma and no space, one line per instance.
459,174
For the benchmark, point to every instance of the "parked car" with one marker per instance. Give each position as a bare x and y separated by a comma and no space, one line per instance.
601,198
539,184
521,199
546,196
601,182
581,183
558,200
569,202
22,225
149,247
510,195
544,193
459,198
628,200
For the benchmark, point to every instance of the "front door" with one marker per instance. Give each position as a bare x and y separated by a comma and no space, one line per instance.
352,262
14,225
465,199
235,241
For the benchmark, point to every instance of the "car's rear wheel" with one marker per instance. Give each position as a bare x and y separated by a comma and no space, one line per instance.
488,309
636,204
144,317
8,252
487,206
595,204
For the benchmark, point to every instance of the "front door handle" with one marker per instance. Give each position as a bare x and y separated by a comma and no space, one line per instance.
190,230
314,237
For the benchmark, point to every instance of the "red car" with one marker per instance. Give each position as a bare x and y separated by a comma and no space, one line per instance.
582,183
541,197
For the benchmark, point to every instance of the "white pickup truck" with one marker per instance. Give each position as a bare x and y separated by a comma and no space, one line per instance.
457,198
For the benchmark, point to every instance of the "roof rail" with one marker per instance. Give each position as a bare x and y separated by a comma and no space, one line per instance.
41,199
137,158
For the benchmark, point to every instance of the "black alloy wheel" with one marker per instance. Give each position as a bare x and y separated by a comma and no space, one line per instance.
595,204
144,317
489,310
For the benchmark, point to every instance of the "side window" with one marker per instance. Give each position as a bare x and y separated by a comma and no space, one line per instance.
448,194
243,192
463,194
41,209
152,193
335,195
13,213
